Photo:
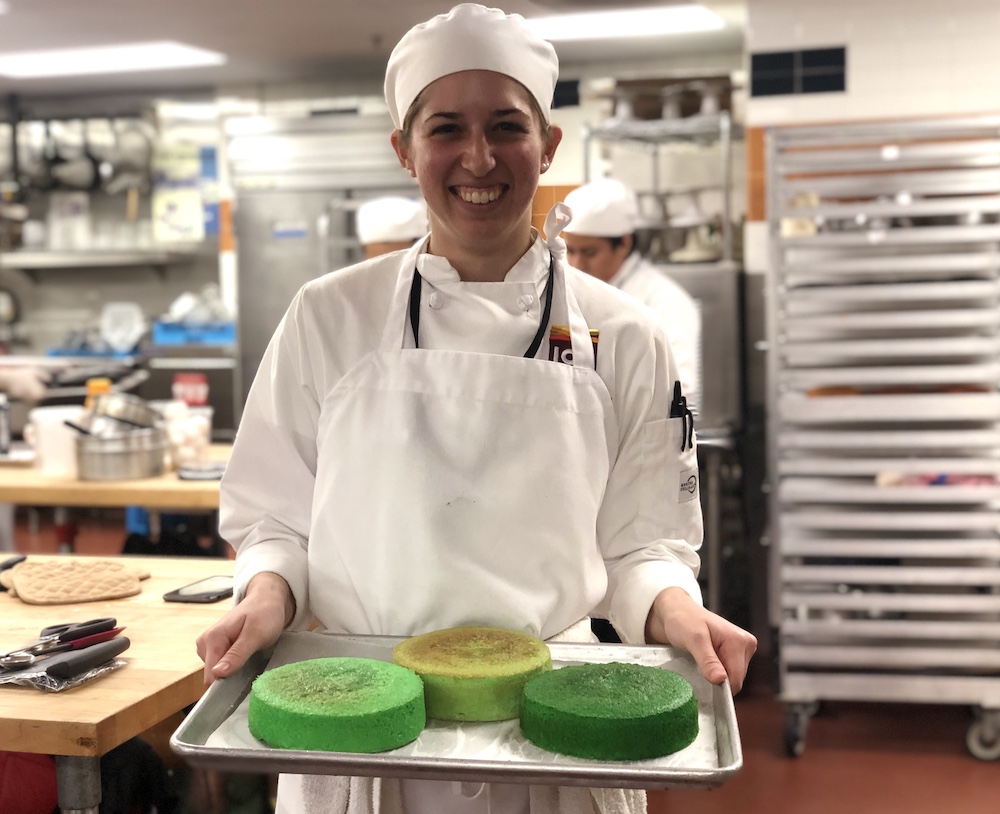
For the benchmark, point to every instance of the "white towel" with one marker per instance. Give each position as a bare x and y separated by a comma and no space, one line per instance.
322,794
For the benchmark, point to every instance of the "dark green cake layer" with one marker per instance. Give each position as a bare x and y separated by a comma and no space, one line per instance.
610,711
337,705
473,673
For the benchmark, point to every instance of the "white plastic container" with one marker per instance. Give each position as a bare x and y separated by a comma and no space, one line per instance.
54,442
189,430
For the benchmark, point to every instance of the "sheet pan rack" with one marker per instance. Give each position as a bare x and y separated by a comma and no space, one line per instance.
883,306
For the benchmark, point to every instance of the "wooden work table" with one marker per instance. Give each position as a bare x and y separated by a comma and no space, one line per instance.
163,674
25,485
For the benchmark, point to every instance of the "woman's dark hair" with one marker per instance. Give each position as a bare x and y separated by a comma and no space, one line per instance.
617,241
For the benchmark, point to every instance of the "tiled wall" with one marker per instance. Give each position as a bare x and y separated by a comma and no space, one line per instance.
905,58
545,198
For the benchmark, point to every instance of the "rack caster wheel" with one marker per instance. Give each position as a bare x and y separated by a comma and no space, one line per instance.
796,723
983,737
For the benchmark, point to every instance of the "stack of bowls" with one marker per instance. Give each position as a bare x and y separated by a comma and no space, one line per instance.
120,439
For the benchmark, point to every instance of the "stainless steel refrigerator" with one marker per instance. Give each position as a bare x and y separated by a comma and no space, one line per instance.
297,184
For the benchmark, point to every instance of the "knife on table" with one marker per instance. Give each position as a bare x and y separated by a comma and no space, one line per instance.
74,662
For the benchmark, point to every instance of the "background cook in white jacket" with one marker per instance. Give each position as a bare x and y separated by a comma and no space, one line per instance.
390,223
434,438
600,240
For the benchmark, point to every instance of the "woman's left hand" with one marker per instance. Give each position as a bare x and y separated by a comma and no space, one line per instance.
720,648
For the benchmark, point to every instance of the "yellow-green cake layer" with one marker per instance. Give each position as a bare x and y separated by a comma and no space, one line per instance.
473,673
337,705
610,711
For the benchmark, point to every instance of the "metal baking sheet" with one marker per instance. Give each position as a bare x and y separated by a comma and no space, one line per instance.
215,733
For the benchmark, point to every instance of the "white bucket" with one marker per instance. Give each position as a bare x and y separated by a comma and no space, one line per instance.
54,442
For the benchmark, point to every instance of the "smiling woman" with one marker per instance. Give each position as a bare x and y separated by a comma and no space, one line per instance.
476,144
466,432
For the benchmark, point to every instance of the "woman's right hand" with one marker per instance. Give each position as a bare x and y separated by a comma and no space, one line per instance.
255,623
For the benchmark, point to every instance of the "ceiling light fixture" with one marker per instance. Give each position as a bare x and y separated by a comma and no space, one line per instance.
637,22
137,56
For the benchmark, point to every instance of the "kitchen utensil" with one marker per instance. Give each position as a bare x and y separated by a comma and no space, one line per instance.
126,407
122,325
138,453
10,562
100,426
23,658
66,632
215,733
82,172
67,665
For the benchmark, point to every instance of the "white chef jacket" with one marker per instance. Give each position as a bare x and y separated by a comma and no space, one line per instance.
678,313
266,495
267,509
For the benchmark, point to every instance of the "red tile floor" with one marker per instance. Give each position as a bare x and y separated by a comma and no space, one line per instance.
862,758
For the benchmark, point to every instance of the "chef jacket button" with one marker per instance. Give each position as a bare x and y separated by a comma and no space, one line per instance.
525,301
435,301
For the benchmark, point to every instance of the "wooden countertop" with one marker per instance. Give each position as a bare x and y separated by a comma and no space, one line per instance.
163,674
27,486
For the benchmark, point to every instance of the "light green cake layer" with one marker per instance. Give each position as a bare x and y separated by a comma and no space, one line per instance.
610,711
473,673
337,705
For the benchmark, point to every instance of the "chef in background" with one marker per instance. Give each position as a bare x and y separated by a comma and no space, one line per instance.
389,224
24,382
600,240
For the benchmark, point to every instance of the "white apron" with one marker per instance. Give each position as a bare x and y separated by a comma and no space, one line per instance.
454,486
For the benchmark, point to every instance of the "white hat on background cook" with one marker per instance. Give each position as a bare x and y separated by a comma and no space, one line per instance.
470,37
603,208
391,220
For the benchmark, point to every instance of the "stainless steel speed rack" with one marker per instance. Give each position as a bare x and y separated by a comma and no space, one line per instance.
883,309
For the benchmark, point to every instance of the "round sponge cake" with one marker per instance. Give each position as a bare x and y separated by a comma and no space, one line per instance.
473,673
337,705
610,711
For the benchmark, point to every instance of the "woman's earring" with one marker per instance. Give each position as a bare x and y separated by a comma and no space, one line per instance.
545,164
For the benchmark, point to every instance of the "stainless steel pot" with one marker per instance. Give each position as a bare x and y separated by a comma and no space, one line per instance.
139,453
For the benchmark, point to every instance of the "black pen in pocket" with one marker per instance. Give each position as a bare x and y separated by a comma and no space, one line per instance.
679,409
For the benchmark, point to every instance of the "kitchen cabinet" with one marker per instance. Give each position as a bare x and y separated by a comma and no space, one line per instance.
884,417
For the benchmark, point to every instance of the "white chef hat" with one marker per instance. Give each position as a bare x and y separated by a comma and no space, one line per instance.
603,208
470,37
391,220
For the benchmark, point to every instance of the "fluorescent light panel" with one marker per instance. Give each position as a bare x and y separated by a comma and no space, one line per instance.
137,56
637,22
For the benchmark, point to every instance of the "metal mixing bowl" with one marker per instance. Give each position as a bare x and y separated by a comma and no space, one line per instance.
139,453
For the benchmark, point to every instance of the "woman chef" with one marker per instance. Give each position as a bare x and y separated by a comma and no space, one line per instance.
466,432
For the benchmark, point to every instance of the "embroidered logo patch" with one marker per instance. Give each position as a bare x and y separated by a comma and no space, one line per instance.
688,486
561,345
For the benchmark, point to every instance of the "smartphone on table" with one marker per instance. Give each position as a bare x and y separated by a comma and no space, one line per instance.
210,589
